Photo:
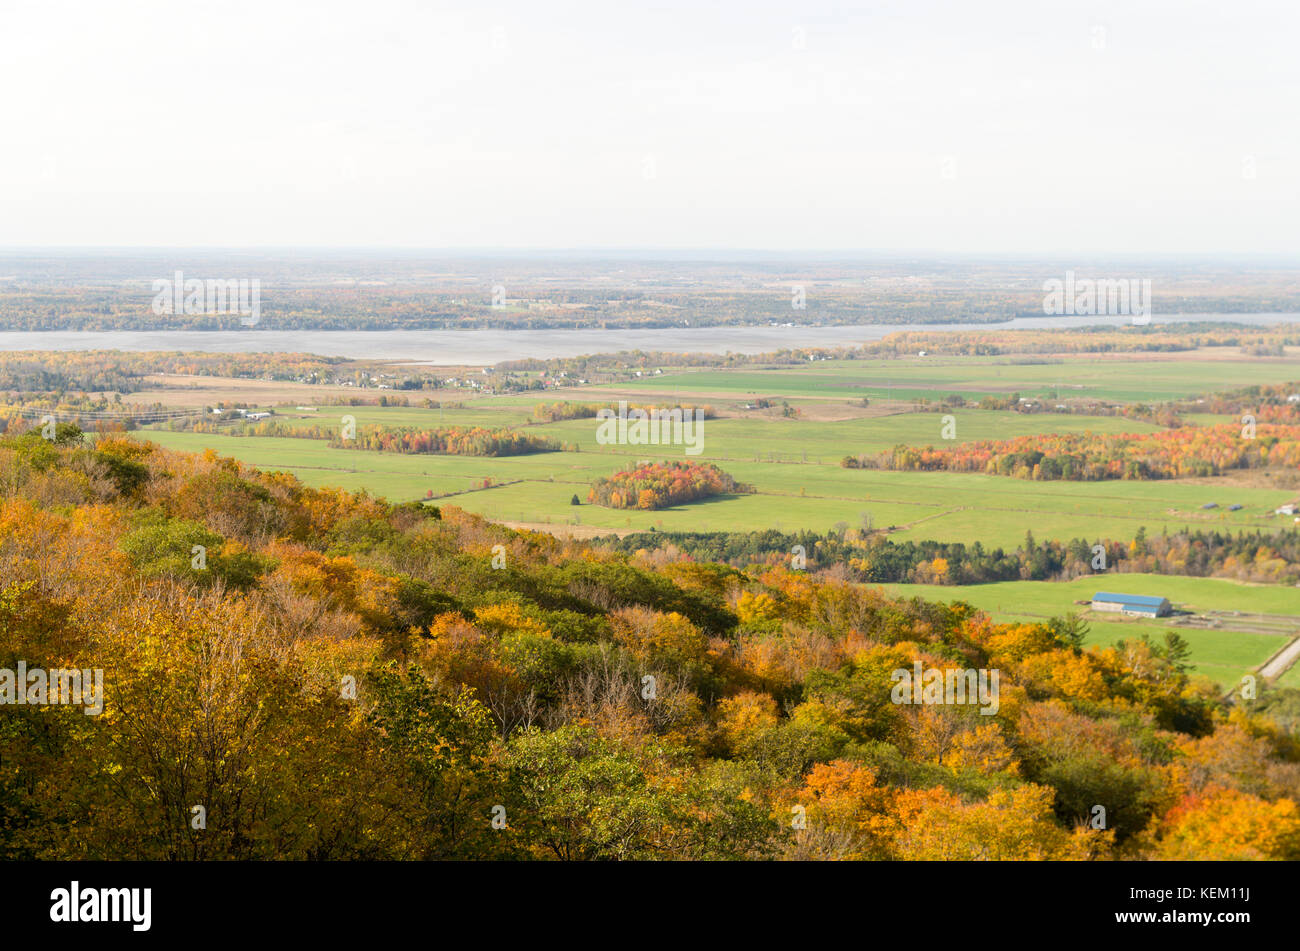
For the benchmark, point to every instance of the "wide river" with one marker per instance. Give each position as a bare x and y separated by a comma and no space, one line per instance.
460,347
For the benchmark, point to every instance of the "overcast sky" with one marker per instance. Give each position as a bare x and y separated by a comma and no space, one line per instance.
1140,126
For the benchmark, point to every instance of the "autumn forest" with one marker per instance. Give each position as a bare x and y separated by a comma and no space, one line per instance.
341,677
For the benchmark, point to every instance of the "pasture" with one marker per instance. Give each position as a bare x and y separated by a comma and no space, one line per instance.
793,464
1223,654
1125,377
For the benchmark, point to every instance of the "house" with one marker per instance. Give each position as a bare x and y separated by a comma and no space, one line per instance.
1234,507
257,415
1136,605
1288,509
1293,398
1210,505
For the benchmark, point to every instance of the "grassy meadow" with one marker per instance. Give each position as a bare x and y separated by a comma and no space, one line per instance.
793,464
1222,654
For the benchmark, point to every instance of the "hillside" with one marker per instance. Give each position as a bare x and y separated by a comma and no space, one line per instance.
295,672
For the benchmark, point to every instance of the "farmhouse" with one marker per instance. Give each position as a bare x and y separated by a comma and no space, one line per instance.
1138,605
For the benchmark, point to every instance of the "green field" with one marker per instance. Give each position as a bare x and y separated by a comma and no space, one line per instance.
1127,379
792,463
1223,654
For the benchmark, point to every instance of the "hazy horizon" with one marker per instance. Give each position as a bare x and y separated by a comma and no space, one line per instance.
922,127
684,253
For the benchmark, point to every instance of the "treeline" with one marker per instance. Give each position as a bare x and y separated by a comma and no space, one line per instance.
1158,414
1179,453
341,678
1258,557
454,440
564,410
661,484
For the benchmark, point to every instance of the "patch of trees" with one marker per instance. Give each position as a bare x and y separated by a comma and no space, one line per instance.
661,484
454,440
1268,403
563,410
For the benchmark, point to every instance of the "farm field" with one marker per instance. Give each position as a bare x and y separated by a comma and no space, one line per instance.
795,440
494,414
793,465
1222,654
1126,378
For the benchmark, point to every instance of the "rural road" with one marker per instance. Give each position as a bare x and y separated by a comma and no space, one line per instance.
1284,659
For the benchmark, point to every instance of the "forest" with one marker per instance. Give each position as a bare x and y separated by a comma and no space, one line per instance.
325,675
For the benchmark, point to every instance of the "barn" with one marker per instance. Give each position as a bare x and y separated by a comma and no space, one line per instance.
1137,605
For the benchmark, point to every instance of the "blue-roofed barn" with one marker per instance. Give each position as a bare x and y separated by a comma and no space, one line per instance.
1138,605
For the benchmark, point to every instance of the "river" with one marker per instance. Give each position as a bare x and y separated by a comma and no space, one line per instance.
460,347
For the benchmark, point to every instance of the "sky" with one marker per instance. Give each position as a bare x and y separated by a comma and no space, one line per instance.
1052,126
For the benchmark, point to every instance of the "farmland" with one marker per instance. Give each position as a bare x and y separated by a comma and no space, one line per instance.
790,493
793,463
1119,377
1223,653
783,430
